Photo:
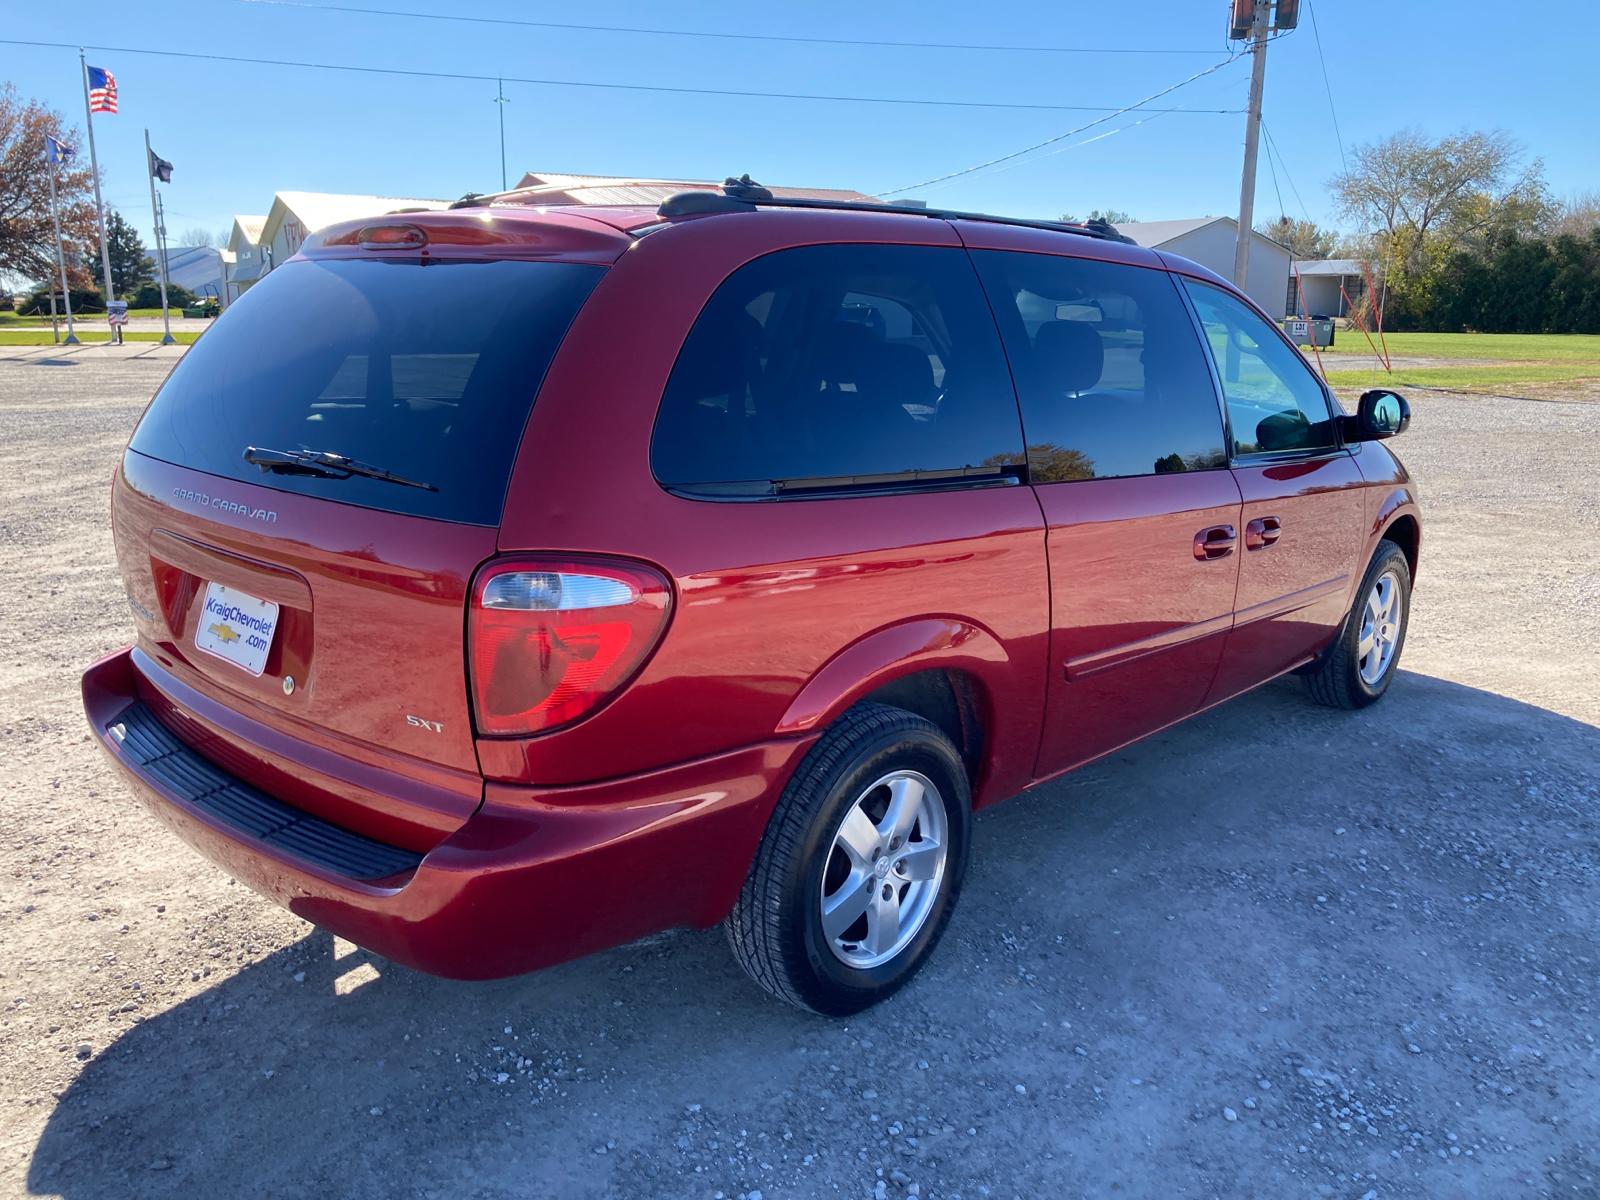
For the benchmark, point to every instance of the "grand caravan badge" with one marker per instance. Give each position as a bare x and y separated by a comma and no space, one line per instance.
236,627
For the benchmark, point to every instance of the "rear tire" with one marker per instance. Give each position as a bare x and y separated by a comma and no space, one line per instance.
1358,667
860,866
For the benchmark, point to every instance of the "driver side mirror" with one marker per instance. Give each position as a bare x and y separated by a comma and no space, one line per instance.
1379,414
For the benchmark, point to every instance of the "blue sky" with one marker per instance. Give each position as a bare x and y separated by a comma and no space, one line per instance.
238,132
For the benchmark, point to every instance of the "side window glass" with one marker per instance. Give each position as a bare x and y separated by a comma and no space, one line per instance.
854,367
1110,374
1275,404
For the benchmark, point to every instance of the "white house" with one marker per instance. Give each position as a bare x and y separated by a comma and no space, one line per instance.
1210,241
295,216
242,259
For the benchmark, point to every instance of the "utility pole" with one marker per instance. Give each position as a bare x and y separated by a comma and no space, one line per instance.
500,99
1252,138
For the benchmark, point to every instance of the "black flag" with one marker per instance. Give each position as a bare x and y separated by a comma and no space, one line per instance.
160,167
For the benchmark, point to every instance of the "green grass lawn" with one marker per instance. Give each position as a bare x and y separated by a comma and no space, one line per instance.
41,337
10,320
1512,358
1518,347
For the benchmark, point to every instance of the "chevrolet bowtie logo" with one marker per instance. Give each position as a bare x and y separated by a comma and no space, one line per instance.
226,632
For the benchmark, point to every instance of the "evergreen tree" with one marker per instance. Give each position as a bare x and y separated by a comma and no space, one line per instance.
130,266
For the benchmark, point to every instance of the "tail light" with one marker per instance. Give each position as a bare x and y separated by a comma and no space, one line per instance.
549,640
390,237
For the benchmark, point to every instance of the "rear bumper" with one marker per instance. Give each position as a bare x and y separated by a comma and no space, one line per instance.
535,877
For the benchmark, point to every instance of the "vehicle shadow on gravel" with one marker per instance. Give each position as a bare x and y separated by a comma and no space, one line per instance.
1270,892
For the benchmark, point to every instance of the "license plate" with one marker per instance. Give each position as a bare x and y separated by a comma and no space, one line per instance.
236,627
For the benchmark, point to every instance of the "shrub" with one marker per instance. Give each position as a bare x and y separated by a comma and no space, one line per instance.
149,296
1522,285
37,302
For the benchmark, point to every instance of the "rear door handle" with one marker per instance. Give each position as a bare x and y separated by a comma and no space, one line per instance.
1262,532
1215,542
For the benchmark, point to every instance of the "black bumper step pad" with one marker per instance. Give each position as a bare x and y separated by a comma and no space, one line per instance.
209,788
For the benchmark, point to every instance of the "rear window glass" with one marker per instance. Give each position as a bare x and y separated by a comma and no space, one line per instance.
1112,378
424,371
840,369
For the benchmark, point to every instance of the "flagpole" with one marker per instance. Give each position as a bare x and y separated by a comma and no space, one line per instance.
99,208
61,256
149,165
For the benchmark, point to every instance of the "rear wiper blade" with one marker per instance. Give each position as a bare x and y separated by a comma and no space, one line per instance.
324,464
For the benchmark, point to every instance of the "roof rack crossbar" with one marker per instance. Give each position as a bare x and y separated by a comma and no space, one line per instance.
741,199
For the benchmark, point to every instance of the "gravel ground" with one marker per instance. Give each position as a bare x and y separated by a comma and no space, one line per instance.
1277,951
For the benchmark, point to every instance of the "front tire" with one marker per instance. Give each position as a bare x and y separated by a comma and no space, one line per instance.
1357,668
861,864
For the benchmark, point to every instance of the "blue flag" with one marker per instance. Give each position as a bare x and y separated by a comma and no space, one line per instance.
57,152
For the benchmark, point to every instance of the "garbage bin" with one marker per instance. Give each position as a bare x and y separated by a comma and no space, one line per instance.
1314,331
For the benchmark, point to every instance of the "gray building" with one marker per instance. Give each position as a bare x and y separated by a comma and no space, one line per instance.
1210,241
198,268
1331,287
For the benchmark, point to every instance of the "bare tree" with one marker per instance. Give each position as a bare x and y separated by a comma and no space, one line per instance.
1420,201
1412,186
27,235
1578,214
201,237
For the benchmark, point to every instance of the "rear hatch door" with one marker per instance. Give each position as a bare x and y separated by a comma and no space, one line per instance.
324,583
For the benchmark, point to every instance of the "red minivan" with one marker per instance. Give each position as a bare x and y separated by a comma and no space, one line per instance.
512,582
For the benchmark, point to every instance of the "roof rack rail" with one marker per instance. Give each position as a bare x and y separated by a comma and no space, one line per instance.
744,195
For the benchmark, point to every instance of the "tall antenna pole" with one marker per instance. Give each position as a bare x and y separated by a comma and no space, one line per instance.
500,99
155,215
1252,138
99,208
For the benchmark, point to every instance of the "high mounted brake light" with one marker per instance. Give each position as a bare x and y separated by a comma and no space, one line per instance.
392,237
551,639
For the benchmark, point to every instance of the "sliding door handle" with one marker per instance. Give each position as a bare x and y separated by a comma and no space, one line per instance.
1216,542
1262,532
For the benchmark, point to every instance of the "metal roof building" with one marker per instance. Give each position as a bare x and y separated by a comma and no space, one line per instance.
1210,241
1330,286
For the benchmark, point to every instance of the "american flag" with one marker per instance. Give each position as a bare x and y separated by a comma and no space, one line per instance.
102,90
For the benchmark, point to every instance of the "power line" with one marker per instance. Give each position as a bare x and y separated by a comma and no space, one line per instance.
1326,83
1058,150
625,87
1276,190
1071,132
1272,148
690,33
1099,137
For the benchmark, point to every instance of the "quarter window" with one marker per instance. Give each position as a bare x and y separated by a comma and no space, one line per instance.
1275,404
1109,371
840,369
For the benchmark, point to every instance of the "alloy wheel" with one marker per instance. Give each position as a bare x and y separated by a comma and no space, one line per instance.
1380,628
884,869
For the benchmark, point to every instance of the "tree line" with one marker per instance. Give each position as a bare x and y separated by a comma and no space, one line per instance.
27,233
1462,234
